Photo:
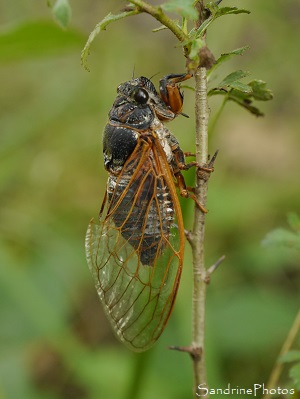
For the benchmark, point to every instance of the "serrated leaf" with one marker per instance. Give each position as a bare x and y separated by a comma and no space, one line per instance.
238,51
203,27
37,39
231,10
290,356
294,221
241,87
243,94
239,97
217,12
244,100
185,8
226,56
260,92
100,27
233,77
62,12
282,237
295,375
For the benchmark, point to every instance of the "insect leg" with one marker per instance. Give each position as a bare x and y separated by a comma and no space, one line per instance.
189,154
170,92
203,170
179,164
184,191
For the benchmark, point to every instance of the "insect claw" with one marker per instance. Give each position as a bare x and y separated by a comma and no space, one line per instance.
201,207
205,170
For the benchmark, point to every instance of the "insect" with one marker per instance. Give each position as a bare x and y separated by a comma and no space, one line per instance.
135,252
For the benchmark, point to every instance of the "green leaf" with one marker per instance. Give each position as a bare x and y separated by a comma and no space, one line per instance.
203,27
295,375
290,356
244,100
196,45
243,94
226,56
294,222
62,12
230,10
100,27
259,90
184,8
216,12
241,87
239,97
37,39
282,237
233,77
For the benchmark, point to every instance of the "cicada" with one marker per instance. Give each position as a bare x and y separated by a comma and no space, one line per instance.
135,252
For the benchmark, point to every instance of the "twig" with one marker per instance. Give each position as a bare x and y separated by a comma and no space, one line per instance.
160,16
213,268
197,235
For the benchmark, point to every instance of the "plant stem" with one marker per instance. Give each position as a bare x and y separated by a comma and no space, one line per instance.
277,370
202,115
160,16
197,236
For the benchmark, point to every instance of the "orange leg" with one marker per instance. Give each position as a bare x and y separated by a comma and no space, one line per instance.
189,154
203,172
170,92
184,191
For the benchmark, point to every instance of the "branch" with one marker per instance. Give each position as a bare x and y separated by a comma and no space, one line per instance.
197,235
213,268
160,16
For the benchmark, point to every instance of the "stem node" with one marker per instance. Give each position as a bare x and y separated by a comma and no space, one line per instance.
194,351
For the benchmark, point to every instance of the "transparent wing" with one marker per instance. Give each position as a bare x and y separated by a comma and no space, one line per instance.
135,252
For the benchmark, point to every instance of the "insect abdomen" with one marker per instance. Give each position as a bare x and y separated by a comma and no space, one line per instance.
145,212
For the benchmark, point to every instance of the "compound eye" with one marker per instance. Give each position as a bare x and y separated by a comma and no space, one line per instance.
141,96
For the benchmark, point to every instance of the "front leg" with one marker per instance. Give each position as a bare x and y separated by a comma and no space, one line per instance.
170,92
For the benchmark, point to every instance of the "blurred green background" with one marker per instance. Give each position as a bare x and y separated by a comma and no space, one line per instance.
55,341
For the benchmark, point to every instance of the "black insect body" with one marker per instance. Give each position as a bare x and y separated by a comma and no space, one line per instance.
135,125
135,253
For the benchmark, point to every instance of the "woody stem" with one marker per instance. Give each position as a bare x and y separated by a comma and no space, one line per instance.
197,237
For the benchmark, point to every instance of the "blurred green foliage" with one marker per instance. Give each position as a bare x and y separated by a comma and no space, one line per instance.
55,340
